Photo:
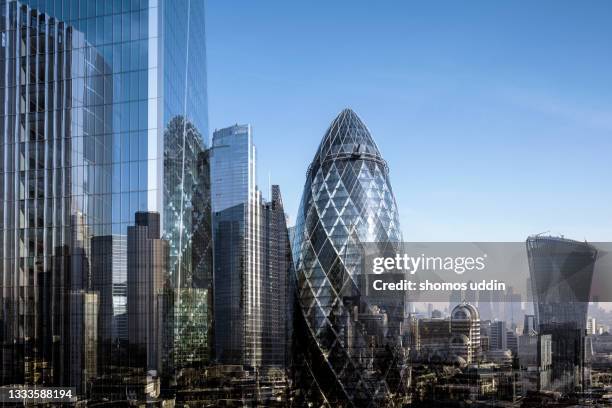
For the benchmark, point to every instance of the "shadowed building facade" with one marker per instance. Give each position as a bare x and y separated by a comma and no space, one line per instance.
561,272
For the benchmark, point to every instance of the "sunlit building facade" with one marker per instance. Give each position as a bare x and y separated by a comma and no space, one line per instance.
348,336
236,206
88,89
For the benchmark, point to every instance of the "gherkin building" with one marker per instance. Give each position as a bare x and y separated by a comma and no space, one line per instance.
348,340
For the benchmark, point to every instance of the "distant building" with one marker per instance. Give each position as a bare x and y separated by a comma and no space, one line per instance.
512,341
147,275
277,270
498,335
109,279
465,332
529,325
433,334
591,328
535,361
561,271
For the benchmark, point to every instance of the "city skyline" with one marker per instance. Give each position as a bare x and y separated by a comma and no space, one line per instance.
463,108
147,259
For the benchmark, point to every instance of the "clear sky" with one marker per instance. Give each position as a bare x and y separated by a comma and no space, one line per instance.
495,117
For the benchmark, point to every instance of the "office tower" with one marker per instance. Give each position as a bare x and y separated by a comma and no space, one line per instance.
347,200
465,332
561,271
236,205
147,275
277,272
485,335
513,307
498,335
109,279
53,143
529,325
512,341
84,111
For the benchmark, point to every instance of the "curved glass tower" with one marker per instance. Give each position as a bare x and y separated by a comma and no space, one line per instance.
352,349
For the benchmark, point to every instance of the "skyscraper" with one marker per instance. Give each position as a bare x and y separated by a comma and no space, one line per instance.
90,87
498,340
276,293
109,279
236,205
54,182
561,271
147,275
347,200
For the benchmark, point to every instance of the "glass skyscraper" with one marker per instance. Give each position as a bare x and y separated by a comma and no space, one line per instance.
88,88
236,204
561,273
350,341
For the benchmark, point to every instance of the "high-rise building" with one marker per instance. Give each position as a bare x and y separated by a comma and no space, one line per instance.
90,88
529,325
109,279
498,340
347,200
561,271
54,145
236,206
276,292
512,341
147,276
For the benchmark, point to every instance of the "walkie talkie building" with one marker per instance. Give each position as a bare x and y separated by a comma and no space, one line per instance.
561,274
352,352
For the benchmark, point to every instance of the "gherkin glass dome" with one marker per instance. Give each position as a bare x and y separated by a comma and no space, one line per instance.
354,351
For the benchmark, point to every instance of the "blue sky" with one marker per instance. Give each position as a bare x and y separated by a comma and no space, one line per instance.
495,117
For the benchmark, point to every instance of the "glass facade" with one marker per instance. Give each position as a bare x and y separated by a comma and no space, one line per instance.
91,90
561,274
350,340
236,204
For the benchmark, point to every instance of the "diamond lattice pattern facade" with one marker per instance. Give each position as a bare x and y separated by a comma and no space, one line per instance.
355,351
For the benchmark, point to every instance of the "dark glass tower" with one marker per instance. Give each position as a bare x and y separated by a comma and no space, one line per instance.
561,272
351,340
147,274
277,269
